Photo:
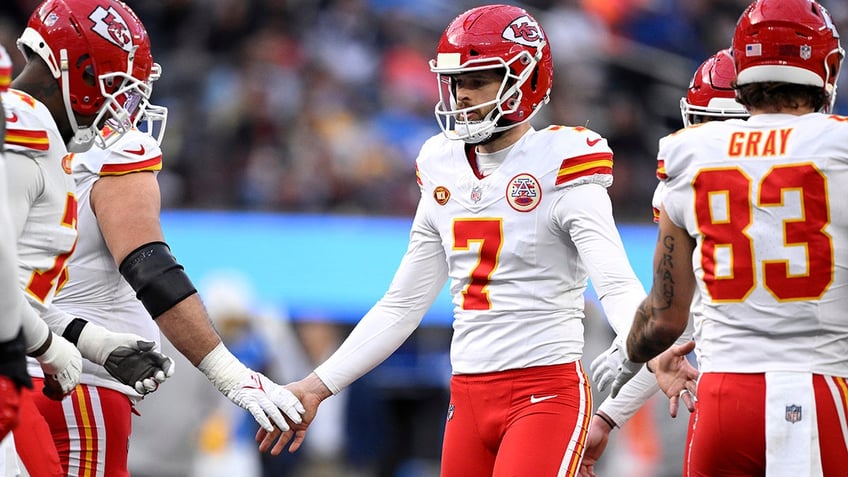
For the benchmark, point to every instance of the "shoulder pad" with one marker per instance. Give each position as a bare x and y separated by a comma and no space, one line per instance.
589,160
134,152
27,121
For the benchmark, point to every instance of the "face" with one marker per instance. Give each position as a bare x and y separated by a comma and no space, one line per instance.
477,87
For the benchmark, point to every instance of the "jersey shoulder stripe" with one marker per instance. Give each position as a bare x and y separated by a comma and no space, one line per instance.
661,172
152,164
5,70
27,124
573,168
28,139
135,151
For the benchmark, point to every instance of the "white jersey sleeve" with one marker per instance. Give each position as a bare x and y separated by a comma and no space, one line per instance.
41,197
419,279
586,212
10,291
632,396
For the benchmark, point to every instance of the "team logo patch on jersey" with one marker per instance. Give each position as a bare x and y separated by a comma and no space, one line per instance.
793,413
442,195
523,193
67,162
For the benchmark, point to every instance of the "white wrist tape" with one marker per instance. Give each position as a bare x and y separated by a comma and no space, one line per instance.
91,341
35,331
223,369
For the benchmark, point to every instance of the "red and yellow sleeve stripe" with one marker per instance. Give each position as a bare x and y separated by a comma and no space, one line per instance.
661,174
153,164
27,138
585,165
5,79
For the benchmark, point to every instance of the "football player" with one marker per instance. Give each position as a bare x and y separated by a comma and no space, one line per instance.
518,219
13,374
753,220
122,274
84,62
710,97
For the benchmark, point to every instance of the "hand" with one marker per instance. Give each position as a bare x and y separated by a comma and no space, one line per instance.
250,390
677,378
264,399
311,391
613,367
62,366
140,366
128,357
596,442
10,402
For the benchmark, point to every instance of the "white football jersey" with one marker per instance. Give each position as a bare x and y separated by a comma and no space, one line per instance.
520,245
41,196
95,289
763,200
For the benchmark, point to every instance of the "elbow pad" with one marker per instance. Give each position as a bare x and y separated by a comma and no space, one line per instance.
158,280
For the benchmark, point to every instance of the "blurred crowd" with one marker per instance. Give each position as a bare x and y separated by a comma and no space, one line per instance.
321,106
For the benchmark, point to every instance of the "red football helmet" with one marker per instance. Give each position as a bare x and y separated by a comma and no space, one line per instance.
792,41
489,37
99,52
711,94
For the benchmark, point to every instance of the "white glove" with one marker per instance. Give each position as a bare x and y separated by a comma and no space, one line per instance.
612,366
250,390
128,357
62,365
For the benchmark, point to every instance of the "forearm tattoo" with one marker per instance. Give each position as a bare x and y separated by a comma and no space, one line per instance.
663,289
645,341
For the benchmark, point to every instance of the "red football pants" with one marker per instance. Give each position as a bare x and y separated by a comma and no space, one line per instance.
727,430
90,428
33,440
519,423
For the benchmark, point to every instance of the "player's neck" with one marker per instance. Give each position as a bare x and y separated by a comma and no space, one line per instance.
797,111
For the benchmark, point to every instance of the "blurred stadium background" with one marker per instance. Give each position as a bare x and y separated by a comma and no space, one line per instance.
288,188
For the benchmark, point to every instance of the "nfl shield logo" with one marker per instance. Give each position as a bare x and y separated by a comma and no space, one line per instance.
476,194
806,52
793,413
450,412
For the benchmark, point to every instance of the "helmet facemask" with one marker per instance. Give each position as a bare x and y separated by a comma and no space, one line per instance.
452,120
143,115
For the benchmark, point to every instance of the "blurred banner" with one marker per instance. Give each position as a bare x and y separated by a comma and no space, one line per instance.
320,267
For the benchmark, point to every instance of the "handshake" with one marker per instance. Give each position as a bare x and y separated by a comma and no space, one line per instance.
127,357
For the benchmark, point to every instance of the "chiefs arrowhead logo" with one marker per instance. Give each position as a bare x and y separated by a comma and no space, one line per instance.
110,25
